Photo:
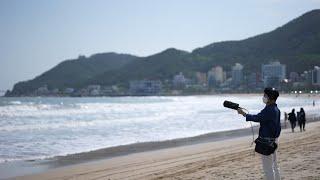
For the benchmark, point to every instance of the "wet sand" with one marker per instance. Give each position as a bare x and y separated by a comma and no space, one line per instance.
227,158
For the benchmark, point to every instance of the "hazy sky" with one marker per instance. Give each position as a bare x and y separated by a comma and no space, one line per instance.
35,35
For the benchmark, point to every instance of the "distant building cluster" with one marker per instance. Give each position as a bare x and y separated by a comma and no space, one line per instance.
215,80
145,87
91,90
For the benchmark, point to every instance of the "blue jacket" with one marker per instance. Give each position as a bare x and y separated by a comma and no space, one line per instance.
269,119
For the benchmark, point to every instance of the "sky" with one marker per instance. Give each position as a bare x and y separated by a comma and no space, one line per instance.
36,35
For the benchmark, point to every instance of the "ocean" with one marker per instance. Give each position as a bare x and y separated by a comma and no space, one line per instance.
34,128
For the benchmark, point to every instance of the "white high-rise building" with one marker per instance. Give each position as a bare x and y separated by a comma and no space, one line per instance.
218,73
215,76
273,73
316,76
237,74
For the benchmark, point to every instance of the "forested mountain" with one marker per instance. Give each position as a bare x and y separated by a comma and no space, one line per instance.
296,44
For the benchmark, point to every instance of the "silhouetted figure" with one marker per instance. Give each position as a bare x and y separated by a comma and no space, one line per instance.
298,120
302,119
313,103
292,119
285,119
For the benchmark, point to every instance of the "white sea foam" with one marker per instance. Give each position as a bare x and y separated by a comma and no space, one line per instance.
33,128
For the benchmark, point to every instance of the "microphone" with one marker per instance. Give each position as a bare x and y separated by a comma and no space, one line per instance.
235,106
231,105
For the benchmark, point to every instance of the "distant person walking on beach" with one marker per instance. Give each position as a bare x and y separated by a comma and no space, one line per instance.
285,119
292,119
302,119
269,132
298,119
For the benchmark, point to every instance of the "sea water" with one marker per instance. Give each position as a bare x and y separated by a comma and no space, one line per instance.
41,127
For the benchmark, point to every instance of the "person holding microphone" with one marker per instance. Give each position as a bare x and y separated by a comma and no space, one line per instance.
269,132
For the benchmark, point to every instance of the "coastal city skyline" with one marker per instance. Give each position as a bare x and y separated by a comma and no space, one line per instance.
35,44
215,80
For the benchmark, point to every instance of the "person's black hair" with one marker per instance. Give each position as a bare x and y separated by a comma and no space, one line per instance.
272,93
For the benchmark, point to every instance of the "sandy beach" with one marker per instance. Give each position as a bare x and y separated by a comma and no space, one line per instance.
233,158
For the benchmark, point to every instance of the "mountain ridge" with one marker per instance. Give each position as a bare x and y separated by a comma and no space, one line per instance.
296,44
71,73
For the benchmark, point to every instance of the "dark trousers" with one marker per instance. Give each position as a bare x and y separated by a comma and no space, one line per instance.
302,124
293,125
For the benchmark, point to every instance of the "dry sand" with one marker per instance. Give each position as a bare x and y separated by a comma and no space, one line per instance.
298,153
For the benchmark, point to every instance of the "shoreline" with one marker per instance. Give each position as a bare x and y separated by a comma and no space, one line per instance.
167,95
43,165
298,156
47,164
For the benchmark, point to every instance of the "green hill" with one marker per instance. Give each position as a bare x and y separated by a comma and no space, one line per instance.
296,44
72,73
159,66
